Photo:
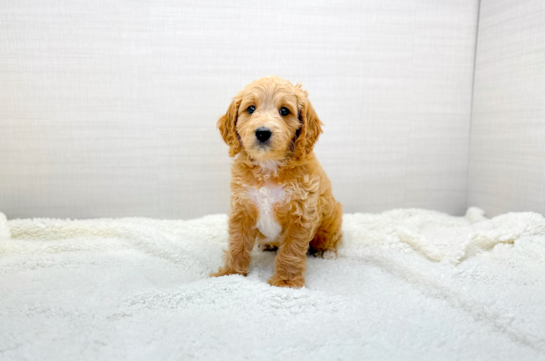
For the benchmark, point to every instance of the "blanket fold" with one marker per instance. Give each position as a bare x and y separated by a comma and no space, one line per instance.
408,284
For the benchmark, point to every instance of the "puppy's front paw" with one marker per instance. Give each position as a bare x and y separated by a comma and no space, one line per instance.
225,272
296,282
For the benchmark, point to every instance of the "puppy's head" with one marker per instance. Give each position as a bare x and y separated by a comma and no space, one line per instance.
272,120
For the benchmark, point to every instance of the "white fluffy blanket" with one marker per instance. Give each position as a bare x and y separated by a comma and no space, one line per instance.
409,284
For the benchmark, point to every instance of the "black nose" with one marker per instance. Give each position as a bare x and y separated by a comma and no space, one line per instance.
263,134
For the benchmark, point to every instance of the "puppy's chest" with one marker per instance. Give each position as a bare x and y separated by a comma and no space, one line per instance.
266,198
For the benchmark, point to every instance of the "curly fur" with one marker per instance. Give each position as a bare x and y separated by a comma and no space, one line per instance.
307,214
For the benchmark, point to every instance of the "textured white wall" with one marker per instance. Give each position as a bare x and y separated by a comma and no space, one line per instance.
108,108
507,153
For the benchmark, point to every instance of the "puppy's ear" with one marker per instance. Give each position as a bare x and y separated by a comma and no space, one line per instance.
311,127
227,126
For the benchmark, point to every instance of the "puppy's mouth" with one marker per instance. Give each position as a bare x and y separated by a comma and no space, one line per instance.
263,146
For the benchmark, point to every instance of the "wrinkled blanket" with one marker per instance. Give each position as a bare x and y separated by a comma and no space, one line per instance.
408,284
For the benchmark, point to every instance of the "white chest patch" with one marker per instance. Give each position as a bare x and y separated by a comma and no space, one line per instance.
265,198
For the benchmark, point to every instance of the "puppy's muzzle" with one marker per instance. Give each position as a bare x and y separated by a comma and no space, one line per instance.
263,134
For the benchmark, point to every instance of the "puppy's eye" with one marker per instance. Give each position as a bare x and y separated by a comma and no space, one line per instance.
250,109
284,111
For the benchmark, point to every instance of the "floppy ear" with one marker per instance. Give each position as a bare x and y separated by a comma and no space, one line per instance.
310,130
227,126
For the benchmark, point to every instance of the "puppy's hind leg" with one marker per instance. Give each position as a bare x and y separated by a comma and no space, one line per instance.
329,234
266,247
265,244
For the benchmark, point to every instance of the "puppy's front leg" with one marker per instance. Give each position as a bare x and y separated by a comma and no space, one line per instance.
290,262
242,233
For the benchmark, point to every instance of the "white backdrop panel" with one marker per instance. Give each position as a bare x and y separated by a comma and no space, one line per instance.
507,153
108,108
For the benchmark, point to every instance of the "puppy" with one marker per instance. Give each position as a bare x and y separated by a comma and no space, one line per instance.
280,195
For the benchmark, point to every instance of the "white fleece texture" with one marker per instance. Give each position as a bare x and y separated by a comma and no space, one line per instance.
408,284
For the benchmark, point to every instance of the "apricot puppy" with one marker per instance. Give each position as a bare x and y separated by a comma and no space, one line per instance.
280,195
